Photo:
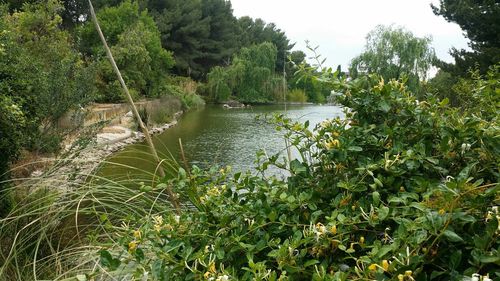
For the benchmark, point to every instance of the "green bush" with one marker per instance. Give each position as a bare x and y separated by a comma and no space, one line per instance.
297,95
398,190
162,111
136,46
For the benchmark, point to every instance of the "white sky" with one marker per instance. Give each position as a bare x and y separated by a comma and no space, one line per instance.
339,27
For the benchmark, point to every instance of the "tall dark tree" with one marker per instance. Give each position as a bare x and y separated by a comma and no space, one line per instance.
479,19
222,41
183,30
257,31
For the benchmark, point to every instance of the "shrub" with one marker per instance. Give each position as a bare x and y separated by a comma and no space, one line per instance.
297,95
162,110
399,189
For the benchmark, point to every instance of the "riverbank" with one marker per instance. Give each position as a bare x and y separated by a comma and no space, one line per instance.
78,163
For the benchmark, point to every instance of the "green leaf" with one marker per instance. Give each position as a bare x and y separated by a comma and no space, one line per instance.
310,262
81,277
108,261
489,259
455,258
376,198
355,148
383,251
283,196
384,106
220,253
452,236
139,254
297,167
157,270
383,212
182,173
444,102
272,216
420,236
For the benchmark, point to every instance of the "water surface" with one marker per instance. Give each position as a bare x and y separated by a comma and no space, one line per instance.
214,136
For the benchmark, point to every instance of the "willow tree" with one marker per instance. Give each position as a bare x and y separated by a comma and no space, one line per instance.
395,53
218,88
250,78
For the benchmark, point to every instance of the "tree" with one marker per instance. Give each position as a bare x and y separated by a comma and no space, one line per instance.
136,45
250,78
257,32
183,29
217,83
222,41
41,71
395,53
441,85
479,20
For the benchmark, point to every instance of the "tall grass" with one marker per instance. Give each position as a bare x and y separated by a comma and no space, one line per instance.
52,231
297,95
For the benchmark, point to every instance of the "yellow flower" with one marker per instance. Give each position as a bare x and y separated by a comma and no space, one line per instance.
326,123
320,228
381,83
132,246
401,277
158,220
408,273
385,265
372,267
211,267
362,240
333,143
206,275
333,229
137,234
442,212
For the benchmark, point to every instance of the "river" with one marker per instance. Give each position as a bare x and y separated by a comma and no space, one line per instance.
214,136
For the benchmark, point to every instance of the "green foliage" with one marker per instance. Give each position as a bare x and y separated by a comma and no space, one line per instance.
395,53
183,29
398,190
50,232
258,31
217,84
479,21
41,71
136,47
480,95
252,71
223,40
441,86
250,78
12,123
476,93
297,95
305,76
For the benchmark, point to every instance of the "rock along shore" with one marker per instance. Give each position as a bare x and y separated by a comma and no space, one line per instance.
79,164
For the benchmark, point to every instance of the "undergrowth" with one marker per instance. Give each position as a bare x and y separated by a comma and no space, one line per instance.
400,189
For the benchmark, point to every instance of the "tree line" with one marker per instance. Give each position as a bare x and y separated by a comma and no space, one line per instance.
51,59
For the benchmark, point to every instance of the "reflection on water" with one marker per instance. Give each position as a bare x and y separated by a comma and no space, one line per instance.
214,136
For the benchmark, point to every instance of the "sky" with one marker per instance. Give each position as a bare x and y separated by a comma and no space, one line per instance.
339,27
